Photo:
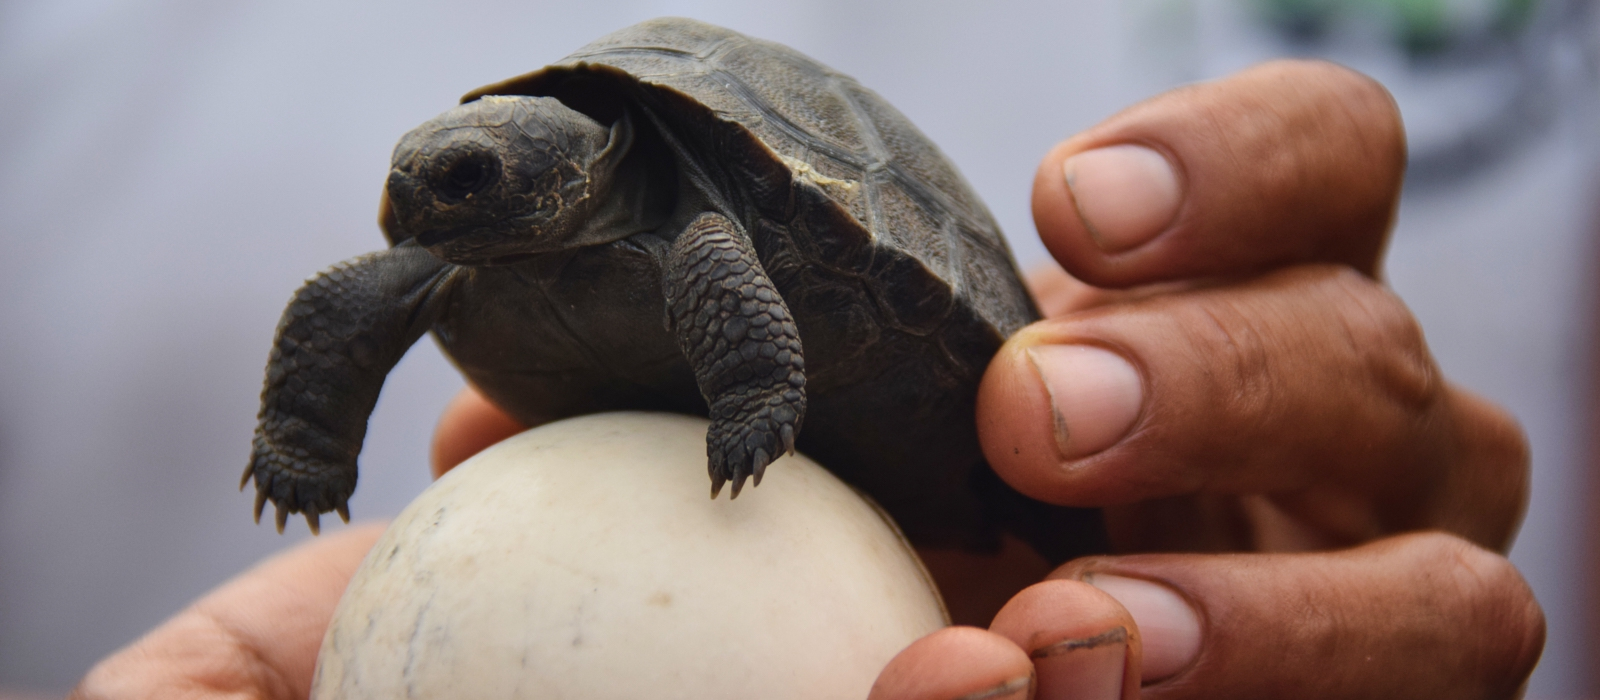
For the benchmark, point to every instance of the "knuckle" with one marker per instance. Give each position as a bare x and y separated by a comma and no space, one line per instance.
1506,441
1228,337
1336,324
1370,106
1383,337
1518,453
1490,463
1346,152
1331,89
1485,591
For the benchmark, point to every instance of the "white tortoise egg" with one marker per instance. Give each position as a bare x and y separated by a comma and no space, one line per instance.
584,560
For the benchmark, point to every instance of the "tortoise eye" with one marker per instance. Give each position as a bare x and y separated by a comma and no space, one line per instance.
468,174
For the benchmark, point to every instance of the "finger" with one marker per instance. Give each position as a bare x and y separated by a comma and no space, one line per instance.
257,636
1084,644
469,425
957,663
1415,616
1288,162
1312,382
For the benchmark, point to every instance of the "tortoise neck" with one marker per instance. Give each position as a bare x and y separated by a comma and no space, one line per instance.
635,200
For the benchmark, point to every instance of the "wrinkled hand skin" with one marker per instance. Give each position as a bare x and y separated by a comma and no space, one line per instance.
1297,471
1357,563
256,636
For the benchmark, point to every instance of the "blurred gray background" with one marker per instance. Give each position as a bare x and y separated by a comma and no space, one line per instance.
170,170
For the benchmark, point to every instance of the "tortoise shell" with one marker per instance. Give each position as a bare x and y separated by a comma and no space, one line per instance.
824,162
900,281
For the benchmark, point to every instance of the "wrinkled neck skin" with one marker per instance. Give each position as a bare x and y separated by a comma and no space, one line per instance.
622,198
632,202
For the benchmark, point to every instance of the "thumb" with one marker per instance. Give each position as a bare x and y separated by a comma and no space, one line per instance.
255,637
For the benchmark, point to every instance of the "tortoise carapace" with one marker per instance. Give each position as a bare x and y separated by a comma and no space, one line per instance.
678,217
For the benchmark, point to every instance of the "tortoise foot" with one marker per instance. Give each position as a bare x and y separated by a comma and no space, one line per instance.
298,484
750,430
738,334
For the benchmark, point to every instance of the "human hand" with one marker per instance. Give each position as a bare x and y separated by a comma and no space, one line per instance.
257,636
1239,380
1431,598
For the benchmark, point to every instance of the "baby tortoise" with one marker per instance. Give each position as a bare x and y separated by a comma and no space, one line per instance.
678,217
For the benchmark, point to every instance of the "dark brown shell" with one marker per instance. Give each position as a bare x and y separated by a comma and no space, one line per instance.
899,281
786,127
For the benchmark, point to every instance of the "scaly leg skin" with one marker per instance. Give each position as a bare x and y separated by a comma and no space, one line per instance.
341,334
741,340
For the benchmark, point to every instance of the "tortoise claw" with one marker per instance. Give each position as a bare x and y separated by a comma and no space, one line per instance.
760,465
738,483
741,451
299,484
261,503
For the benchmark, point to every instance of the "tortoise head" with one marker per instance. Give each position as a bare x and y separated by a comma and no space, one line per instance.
501,178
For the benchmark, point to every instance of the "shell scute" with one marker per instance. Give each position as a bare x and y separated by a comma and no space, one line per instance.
815,112
841,183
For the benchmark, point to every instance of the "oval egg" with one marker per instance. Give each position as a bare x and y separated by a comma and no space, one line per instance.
583,559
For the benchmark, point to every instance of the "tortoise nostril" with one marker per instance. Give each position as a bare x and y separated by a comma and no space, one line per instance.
466,175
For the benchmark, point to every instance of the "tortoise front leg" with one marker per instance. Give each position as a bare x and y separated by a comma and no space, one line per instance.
341,334
740,338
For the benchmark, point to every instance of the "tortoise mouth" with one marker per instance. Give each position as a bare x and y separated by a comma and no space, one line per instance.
438,236
477,245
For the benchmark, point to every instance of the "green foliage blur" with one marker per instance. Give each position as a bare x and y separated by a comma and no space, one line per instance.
1421,27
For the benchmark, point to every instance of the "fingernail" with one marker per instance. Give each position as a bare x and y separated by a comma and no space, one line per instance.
1125,194
1168,626
1095,396
1019,688
1082,669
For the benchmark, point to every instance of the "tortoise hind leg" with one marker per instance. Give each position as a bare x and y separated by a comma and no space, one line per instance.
739,336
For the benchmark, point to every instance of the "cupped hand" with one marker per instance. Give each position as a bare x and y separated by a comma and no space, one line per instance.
1238,381
1222,370
257,636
